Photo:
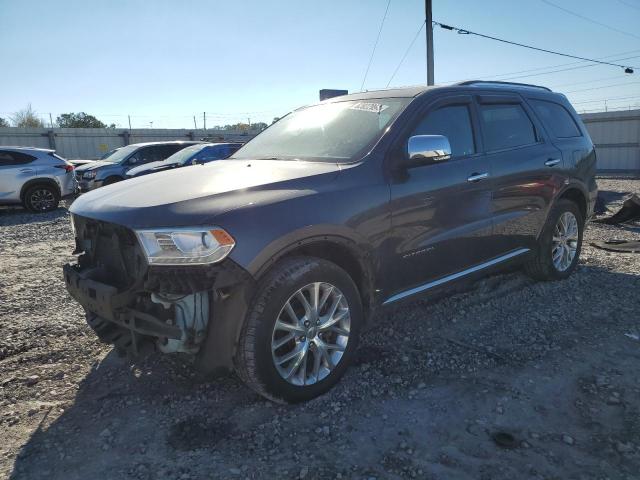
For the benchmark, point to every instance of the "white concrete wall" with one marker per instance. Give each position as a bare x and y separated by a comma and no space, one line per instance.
92,143
617,139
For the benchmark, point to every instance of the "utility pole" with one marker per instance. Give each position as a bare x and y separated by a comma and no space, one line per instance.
129,117
428,10
195,125
204,120
51,120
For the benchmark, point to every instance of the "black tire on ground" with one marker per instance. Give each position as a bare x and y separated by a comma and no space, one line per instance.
41,198
253,360
112,180
540,266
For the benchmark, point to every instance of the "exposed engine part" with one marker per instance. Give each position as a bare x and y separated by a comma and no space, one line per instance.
191,315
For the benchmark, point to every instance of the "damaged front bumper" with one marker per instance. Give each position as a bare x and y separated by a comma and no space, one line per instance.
135,321
138,307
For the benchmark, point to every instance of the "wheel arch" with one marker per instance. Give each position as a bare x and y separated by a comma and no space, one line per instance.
112,178
576,195
39,181
345,254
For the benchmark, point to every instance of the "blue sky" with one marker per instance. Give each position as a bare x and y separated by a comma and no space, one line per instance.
164,61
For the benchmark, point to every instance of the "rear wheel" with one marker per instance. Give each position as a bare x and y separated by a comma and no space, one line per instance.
560,243
41,198
301,330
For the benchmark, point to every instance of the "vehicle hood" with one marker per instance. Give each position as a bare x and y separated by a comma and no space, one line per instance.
79,162
153,166
196,194
93,165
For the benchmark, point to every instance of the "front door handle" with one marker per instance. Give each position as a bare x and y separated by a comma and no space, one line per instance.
27,170
552,162
476,177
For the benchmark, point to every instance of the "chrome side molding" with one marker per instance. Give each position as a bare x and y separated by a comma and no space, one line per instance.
454,276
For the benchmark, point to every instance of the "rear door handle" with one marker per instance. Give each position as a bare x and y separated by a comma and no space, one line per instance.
552,162
476,177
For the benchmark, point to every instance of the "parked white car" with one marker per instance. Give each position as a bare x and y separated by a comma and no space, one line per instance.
34,177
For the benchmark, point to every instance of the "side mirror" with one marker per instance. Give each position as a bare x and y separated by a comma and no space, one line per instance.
427,149
133,160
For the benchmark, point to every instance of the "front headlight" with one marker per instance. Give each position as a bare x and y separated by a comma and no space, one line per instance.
90,174
185,246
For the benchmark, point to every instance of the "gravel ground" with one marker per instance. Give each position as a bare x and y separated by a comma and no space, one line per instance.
509,379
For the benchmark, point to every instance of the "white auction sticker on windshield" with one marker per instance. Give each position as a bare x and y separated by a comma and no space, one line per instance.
369,107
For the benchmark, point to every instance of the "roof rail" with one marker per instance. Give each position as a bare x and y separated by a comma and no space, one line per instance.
473,82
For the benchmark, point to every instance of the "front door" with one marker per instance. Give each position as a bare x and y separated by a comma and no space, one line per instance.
441,213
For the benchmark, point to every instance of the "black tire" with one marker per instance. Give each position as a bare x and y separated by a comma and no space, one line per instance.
41,198
541,266
112,180
254,362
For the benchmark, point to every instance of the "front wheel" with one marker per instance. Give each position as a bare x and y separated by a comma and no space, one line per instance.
559,244
301,330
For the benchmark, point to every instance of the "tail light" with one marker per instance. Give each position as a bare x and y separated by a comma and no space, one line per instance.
67,167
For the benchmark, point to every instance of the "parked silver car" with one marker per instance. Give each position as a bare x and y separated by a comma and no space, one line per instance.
34,177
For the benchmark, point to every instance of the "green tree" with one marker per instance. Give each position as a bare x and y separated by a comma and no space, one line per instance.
26,118
79,120
259,126
3,123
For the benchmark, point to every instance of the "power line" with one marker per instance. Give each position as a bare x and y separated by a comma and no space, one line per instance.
563,70
462,31
375,45
571,84
629,4
407,52
570,12
603,86
605,100
607,57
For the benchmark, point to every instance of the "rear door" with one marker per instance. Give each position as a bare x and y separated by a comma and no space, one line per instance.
441,213
525,166
16,169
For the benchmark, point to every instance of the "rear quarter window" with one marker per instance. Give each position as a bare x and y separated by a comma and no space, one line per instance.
556,118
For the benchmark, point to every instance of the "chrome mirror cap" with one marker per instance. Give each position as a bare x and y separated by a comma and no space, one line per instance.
428,148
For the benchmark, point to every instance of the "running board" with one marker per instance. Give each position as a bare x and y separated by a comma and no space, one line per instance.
454,276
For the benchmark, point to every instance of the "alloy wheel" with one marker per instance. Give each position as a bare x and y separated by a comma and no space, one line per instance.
311,334
42,199
565,241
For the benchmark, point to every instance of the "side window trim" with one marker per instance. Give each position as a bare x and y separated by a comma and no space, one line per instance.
481,100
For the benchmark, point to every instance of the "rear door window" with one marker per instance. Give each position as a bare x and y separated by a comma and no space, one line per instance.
452,121
14,158
506,126
150,154
168,150
557,118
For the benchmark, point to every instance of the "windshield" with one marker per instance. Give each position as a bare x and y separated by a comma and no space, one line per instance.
326,132
109,153
184,154
121,153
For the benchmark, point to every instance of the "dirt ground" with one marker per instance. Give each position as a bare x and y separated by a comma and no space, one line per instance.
511,379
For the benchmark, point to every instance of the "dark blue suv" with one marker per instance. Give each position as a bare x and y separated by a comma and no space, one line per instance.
272,261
